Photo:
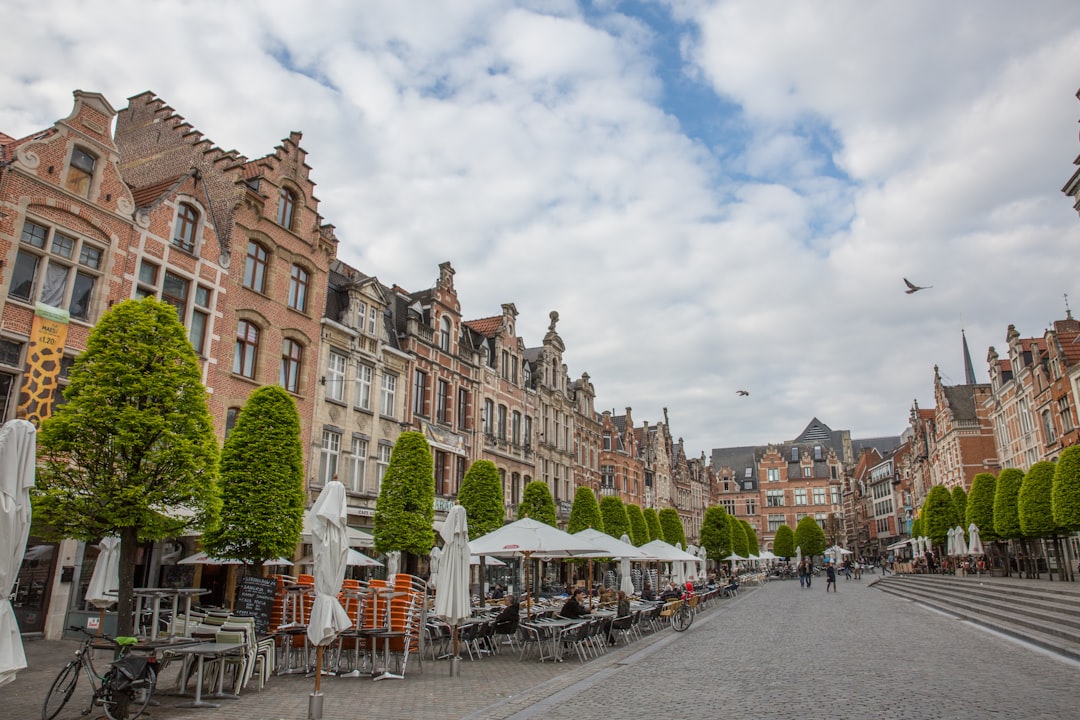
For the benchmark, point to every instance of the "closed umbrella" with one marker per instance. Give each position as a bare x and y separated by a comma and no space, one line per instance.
452,601
105,581
975,546
626,583
330,541
393,562
18,448
433,560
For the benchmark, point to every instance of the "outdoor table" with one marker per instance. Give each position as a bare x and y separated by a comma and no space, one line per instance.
358,595
212,650
559,626
155,596
385,633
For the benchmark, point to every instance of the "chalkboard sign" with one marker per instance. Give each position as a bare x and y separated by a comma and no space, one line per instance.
255,598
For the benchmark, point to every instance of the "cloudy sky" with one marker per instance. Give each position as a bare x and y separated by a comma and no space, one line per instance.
713,195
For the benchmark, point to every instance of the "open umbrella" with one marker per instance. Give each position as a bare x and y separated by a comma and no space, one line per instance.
527,537
975,546
452,601
329,539
18,448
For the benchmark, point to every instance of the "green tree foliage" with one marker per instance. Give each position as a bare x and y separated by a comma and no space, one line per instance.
784,542
980,505
671,527
959,499
585,512
739,545
639,534
1035,505
1006,507
716,532
917,527
1066,492
939,514
810,537
481,495
406,505
652,524
751,538
537,503
134,440
262,482
616,524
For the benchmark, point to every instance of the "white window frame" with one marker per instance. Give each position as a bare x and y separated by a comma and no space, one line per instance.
358,464
388,406
336,363
328,455
364,374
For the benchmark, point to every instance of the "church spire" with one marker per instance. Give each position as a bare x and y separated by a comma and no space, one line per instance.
969,369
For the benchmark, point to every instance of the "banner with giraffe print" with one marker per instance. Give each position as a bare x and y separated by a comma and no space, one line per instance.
48,336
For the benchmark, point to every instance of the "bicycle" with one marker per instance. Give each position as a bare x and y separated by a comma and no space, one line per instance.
680,614
123,691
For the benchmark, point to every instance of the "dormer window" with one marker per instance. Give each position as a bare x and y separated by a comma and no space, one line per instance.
286,208
81,172
187,223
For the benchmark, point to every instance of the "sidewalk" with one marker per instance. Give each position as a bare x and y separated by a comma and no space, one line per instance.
489,688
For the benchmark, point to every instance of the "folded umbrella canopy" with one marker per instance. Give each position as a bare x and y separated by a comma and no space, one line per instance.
18,448
105,580
329,539
452,601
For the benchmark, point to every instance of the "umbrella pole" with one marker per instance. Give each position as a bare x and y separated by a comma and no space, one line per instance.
101,622
318,666
588,590
528,593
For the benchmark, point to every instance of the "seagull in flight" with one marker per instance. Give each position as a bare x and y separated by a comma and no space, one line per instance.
744,393
913,288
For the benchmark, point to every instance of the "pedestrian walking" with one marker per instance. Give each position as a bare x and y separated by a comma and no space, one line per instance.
801,570
809,573
830,578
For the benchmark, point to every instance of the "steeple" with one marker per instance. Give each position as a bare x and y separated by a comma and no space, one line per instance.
969,369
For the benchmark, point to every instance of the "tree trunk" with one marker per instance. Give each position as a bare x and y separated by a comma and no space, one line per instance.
125,605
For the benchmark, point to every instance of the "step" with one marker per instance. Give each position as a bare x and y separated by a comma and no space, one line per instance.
1050,608
1012,586
1058,642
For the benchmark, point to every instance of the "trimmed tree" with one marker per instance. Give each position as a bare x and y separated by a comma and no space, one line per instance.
262,482
134,440
784,542
406,505
959,499
980,505
939,514
585,513
1065,495
739,545
1035,506
639,534
537,503
716,532
917,527
751,537
481,495
671,527
613,512
652,524
810,537
1006,506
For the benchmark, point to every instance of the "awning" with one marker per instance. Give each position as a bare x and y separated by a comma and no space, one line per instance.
898,545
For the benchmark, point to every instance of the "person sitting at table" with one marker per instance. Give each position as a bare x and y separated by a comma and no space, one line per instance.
671,592
621,614
573,607
497,592
511,610
607,595
647,592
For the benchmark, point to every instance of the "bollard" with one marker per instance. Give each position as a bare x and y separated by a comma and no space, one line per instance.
455,666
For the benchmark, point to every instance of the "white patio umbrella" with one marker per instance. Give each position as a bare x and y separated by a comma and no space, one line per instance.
690,566
201,558
626,583
527,537
433,560
105,580
703,556
609,547
951,545
393,562
961,541
798,555
18,448
975,546
357,537
328,519
452,601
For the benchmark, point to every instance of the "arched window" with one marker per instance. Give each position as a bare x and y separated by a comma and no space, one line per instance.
81,172
187,223
255,267
291,354
286,208
444,334
298,287
247,349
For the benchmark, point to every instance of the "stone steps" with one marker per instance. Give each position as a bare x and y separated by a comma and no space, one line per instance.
1037,611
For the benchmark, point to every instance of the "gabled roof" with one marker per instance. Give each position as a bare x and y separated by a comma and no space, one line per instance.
150,194
961,400
815,432
488,327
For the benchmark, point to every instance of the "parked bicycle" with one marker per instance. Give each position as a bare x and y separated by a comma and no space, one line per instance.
123,691
680,614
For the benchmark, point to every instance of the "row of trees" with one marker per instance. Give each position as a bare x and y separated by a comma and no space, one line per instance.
1014,506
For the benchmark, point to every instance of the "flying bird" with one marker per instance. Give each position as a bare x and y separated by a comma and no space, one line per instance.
913,288
742,392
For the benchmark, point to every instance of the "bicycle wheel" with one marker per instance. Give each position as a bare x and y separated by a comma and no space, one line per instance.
681,618
129,703
60,691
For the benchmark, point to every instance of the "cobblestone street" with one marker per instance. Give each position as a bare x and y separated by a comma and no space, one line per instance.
774,652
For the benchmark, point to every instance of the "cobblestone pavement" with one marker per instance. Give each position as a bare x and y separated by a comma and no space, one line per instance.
785,652
776,652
